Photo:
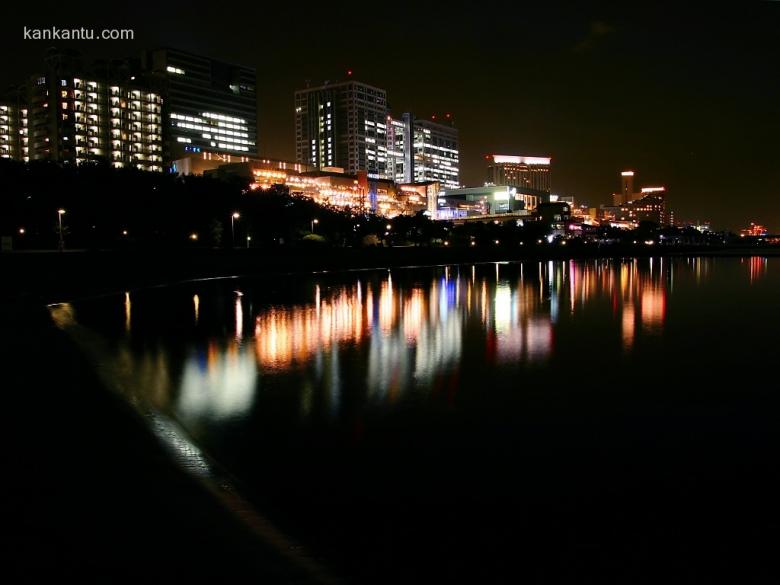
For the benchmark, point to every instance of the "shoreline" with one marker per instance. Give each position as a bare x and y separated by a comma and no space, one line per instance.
44,277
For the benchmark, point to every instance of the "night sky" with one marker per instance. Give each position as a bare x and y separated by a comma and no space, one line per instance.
687,98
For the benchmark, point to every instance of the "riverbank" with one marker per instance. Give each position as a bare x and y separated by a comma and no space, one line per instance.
50,276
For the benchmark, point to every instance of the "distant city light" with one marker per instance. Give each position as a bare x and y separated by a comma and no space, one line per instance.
518,160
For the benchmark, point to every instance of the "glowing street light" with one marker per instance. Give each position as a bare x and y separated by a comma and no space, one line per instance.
194,237
233,219
60,213
21,231
313,223
248,239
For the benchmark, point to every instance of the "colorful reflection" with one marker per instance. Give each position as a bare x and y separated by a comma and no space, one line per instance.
757,267
395,334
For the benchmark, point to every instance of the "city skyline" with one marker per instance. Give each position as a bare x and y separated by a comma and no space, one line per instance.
677,99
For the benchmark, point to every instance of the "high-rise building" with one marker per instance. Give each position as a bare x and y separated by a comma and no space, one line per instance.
400,148
422,150
436,153
72,114
626,186
523,172
342,125
209,105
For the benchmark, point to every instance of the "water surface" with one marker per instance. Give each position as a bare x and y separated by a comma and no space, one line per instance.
578,421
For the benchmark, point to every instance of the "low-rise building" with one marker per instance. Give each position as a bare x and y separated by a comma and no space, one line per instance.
488,200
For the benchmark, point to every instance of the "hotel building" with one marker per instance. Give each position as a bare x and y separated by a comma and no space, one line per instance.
629,208
526,172
209,105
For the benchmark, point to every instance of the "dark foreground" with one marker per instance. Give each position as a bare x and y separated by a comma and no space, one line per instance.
92,495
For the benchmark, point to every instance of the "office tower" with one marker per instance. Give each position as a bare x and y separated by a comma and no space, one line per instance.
436,156
209,105
522,172
342,125
422,150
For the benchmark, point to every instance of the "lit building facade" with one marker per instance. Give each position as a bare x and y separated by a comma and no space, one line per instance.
648,205
400,148
356,191
629,208
423,150
753,230
71,114
209,105
436,153
626,188
528,172
470,202
13,128
342,125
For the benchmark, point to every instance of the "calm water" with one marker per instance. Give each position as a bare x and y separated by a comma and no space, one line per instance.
596,421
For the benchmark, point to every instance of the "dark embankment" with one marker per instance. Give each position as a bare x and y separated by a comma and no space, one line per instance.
54,276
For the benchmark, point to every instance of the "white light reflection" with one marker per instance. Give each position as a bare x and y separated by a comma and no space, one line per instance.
219,385
128,312
239,318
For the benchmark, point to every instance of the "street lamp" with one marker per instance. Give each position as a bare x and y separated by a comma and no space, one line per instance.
313,223
248,239
233,219
60,213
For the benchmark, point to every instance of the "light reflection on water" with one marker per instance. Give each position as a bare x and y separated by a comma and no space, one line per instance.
401,336
348,400
394,333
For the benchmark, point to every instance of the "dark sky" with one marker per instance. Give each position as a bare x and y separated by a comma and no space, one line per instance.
686,97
